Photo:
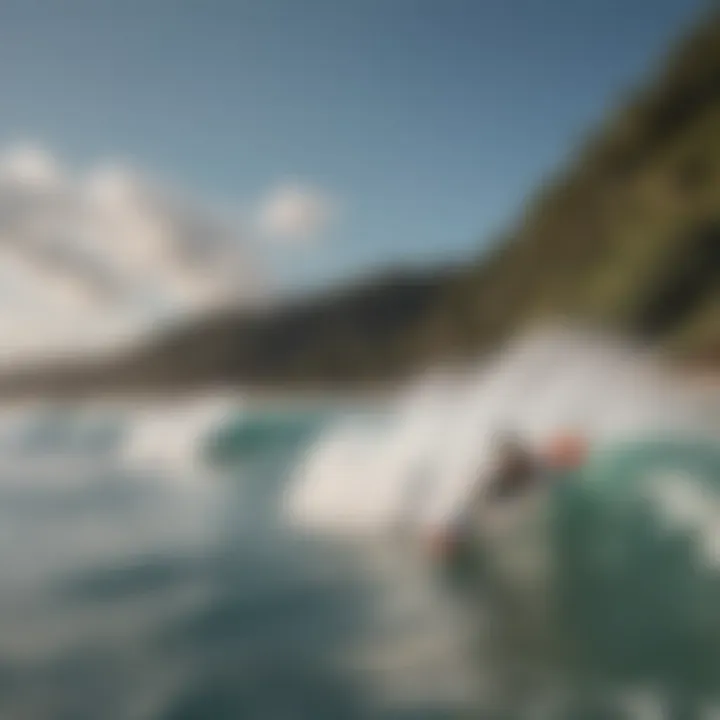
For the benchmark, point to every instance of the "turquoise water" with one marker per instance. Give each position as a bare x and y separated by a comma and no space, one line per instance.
170,590
146,574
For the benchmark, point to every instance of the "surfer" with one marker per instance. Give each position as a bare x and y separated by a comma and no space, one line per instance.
517,470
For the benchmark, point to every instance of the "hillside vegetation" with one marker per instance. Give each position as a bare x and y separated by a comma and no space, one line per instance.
628,236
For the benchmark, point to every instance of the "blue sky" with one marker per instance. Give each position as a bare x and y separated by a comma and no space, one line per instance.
427,122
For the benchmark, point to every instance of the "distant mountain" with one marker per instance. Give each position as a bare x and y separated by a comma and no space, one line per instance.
627,236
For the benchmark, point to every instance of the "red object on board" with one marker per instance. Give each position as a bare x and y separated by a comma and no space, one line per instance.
567,451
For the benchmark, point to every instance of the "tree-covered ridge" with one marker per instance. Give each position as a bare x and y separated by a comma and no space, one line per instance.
627,235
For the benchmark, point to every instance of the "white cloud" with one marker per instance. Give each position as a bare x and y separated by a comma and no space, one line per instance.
89,258
29,165
293,212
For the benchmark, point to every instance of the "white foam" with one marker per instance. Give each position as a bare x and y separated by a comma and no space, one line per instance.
171,437
442,434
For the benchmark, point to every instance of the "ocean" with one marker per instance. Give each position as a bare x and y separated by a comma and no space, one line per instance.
149,570
146,574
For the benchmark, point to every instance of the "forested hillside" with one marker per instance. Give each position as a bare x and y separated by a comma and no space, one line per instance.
628,235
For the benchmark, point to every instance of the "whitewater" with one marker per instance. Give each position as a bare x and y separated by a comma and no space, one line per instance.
213,556
148,572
